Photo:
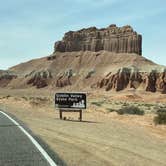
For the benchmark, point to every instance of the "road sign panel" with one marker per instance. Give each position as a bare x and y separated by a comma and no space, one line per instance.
70,100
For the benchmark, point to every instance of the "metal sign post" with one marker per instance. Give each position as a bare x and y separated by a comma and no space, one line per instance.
61,113
70,102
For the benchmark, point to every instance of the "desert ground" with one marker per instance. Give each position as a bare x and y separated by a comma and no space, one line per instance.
103,137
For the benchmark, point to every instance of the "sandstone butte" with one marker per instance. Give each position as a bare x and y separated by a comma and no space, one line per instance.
91,59
113,39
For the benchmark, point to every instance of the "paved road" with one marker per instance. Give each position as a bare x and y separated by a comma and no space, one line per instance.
17,149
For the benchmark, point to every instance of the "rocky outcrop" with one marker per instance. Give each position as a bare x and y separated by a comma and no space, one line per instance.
132,78
39,78
115,39
63,81
90,73
161,82
6,77
151,81
81,60
65,78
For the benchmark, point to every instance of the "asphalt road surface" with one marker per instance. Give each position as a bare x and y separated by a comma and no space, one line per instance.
19,148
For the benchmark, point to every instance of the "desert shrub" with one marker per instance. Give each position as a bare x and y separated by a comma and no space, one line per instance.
97,103
161,116
34,103
148,105
39,101
51,57
111,109
25,98
130,110
125,104
8,96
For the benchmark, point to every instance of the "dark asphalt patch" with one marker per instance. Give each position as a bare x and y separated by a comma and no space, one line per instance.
55,157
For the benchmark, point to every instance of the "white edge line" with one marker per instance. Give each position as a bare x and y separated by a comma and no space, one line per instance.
38,146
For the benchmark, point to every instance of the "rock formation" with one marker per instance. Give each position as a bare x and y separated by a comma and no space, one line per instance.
161,82
132,78
77,64
113,39
65,79
39,78
6,77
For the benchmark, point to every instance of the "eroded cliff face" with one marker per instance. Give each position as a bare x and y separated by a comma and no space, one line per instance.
132,78
114,39
64,79
39,79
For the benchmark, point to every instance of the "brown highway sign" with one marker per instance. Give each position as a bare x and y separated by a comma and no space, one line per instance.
70,100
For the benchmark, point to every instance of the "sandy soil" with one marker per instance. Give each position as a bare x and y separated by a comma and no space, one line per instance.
103,138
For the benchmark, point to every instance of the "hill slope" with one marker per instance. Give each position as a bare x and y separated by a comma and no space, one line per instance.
91,59
85,70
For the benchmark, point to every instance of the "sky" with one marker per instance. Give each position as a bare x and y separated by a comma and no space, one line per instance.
29,28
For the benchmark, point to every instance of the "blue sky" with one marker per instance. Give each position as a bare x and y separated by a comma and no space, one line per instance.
29,28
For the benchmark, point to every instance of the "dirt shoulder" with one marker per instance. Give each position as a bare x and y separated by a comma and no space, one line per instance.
102,139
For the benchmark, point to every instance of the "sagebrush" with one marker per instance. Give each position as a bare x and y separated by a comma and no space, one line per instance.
130,110
161,116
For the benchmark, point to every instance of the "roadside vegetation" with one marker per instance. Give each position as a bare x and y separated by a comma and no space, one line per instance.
161,116
111,110
130,110
97,103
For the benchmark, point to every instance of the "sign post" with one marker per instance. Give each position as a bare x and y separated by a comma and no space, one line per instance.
70,102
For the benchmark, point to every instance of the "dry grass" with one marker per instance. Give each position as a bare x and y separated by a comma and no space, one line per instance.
104,138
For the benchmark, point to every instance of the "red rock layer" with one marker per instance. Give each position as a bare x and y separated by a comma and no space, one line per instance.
132,78
113,39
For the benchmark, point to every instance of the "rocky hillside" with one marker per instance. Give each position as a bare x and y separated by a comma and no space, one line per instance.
6,77
133,78
91,59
